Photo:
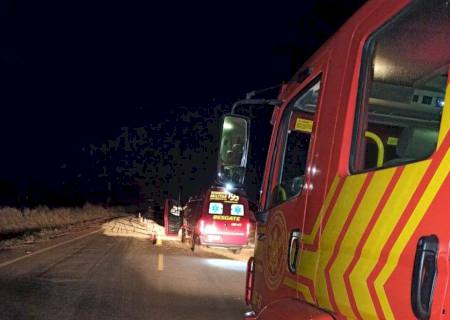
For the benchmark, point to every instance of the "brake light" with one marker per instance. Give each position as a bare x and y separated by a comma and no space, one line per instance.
210,229
248,229
202,226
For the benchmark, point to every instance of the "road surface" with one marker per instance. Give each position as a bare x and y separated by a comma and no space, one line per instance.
107,277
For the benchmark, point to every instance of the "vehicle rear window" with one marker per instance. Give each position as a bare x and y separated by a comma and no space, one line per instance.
215,208
237,209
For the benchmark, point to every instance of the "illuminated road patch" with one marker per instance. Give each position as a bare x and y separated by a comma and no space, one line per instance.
232,265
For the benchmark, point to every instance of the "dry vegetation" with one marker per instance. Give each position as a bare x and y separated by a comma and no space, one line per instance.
17,222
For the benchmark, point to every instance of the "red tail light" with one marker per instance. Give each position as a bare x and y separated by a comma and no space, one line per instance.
201,228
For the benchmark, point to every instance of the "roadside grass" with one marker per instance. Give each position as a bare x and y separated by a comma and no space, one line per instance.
42,221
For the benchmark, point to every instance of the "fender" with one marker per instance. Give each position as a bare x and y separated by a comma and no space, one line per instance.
291,309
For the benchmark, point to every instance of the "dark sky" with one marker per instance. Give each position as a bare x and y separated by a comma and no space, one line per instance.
73,72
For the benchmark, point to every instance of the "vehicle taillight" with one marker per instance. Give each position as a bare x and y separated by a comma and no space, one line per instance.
202,226
248,229
210,229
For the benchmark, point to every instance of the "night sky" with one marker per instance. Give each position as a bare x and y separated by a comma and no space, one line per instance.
74,72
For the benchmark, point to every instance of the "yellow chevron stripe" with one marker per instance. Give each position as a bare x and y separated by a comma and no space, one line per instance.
331,232
445,122
353,236
306,266
307,262
384,226
408,231
309,238
304,290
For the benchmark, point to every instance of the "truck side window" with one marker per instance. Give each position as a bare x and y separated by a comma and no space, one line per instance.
403,81
296,129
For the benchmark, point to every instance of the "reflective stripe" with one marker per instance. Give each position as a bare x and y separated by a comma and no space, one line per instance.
379,234
225,233
331,231
336,286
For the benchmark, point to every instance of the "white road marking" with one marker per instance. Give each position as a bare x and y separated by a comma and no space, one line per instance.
160,262
7,263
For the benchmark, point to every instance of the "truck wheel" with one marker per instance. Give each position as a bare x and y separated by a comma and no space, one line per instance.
183,235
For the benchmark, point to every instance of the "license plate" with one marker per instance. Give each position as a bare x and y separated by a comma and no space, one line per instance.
213,237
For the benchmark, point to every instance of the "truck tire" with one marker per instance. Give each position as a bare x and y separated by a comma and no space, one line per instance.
183,235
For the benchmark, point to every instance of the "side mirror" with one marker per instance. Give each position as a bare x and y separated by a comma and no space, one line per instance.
261,216
232,162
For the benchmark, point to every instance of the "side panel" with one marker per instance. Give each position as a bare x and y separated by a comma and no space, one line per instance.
372,221
360,236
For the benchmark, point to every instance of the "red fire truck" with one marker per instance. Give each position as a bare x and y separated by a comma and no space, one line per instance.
353,218
217,218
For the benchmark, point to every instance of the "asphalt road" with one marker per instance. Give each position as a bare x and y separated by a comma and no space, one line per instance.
106,277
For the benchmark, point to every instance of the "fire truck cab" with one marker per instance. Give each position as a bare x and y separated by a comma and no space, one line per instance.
353,217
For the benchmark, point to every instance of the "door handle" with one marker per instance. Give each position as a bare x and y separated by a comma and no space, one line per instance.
424,276
293,250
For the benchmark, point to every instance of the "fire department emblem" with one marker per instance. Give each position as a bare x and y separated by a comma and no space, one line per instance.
275,253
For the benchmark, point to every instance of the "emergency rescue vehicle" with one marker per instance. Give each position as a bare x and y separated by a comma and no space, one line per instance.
354,213
217,218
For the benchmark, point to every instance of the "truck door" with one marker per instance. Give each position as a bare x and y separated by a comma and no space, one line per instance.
279,239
